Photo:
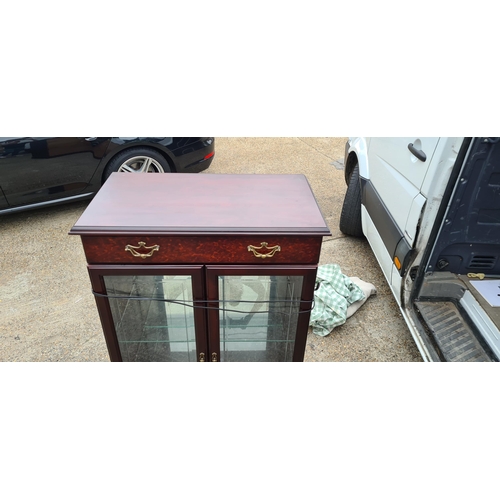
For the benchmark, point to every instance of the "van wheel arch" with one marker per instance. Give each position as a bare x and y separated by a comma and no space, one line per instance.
352,161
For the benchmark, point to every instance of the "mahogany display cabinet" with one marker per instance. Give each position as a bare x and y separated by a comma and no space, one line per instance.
203,267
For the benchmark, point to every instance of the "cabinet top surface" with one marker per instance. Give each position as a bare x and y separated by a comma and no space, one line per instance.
203,203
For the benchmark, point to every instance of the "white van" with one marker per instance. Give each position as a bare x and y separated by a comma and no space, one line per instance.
430,210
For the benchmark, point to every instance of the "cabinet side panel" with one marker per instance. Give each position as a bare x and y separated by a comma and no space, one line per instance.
305,314
105,315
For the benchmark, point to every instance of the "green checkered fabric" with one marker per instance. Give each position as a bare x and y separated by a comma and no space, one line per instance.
335,293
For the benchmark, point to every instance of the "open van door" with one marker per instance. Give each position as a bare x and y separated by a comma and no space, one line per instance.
455,298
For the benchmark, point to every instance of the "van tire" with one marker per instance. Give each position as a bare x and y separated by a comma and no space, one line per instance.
350,217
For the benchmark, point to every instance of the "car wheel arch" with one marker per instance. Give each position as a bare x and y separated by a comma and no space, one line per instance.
116,153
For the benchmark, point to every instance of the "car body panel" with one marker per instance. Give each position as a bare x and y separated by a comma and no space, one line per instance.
40,171
178,150
3,200
34,170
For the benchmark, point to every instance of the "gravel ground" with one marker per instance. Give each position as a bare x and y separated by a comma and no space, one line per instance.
48,312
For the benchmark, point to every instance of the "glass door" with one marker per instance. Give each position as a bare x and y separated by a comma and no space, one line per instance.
259,313
149,313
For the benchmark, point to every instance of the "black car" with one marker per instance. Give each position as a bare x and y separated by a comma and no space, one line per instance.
40,171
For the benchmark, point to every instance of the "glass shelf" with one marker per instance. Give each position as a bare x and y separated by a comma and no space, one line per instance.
147,327
259,318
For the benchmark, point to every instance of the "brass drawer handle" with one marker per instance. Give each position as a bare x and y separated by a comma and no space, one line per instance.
263,245
135,253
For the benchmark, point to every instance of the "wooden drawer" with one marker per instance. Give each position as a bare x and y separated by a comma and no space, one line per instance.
221,249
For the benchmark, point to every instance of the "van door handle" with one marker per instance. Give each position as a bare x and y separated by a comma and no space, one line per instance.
417,152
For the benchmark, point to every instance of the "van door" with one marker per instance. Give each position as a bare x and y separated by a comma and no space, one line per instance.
391,196
397,173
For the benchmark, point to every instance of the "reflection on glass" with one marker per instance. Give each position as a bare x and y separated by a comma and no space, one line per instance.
153,330
258,317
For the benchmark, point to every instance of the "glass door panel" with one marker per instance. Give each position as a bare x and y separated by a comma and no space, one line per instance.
258,317
153,316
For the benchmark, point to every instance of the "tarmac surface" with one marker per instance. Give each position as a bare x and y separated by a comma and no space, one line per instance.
48,313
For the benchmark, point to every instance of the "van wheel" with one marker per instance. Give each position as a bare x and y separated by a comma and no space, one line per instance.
350,217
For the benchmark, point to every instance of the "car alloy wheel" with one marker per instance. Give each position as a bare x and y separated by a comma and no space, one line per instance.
137,160
141,164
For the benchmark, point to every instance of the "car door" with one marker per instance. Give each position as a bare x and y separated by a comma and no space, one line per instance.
3,200
39,169
5,151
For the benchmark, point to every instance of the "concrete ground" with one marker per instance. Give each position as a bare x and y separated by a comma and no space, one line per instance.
47,311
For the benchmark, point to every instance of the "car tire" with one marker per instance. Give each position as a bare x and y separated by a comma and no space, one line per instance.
137,160
350,217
